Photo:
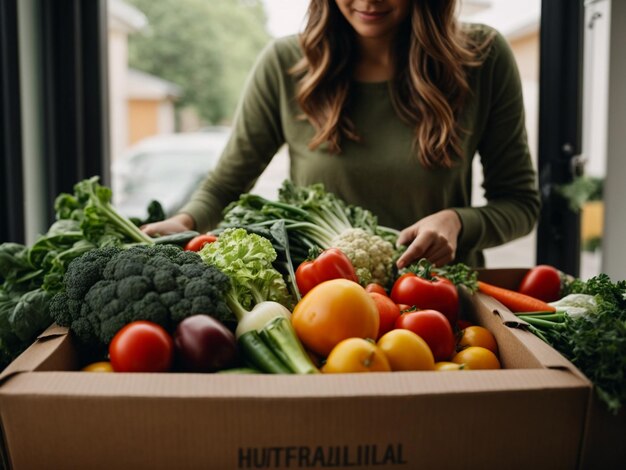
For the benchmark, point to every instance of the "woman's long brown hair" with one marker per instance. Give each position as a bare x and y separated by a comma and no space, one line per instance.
428,90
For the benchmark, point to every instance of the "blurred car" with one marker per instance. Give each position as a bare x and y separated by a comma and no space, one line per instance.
166,168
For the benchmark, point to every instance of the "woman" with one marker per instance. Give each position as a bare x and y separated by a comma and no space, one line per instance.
386,102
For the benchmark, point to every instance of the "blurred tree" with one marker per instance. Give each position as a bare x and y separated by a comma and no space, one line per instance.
205,47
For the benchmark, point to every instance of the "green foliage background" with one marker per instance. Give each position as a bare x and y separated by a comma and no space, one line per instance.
207,47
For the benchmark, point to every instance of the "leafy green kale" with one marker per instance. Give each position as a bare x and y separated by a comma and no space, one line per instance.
594,342
23,315
10,344
100,222
14,262
52,252
110,287
30,315
30,276
23,304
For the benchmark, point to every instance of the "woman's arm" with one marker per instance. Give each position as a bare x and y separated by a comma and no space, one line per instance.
510,185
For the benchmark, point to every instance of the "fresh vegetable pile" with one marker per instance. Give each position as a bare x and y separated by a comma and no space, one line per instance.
225,302
317,219
258,296
583,320
110,287
302,285
337,326
587,324
30,276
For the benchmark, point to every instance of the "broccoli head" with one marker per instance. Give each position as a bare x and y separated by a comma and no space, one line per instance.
110,287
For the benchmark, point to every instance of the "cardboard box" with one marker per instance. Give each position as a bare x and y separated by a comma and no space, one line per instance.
531,415
604,440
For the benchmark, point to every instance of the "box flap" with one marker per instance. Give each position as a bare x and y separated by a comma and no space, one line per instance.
282,387
49,350
530,351
510,278
52,331
546,354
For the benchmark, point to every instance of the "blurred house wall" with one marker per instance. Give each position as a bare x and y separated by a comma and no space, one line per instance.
141,104
123,19
151,105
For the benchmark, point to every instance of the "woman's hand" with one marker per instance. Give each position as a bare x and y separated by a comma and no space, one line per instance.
175,224
434,237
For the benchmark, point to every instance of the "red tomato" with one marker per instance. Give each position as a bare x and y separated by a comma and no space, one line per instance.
388,312
375,287
434,328
438,294
405,307
330,264
542,282
196,243
141,346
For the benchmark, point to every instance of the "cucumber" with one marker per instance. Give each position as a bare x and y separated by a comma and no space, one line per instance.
180,238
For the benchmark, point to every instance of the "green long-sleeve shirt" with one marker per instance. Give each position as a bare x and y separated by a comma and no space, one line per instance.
382,172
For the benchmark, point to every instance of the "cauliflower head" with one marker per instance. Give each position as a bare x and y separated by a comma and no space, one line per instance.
371,255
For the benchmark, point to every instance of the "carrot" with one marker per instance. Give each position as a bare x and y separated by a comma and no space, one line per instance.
513,300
